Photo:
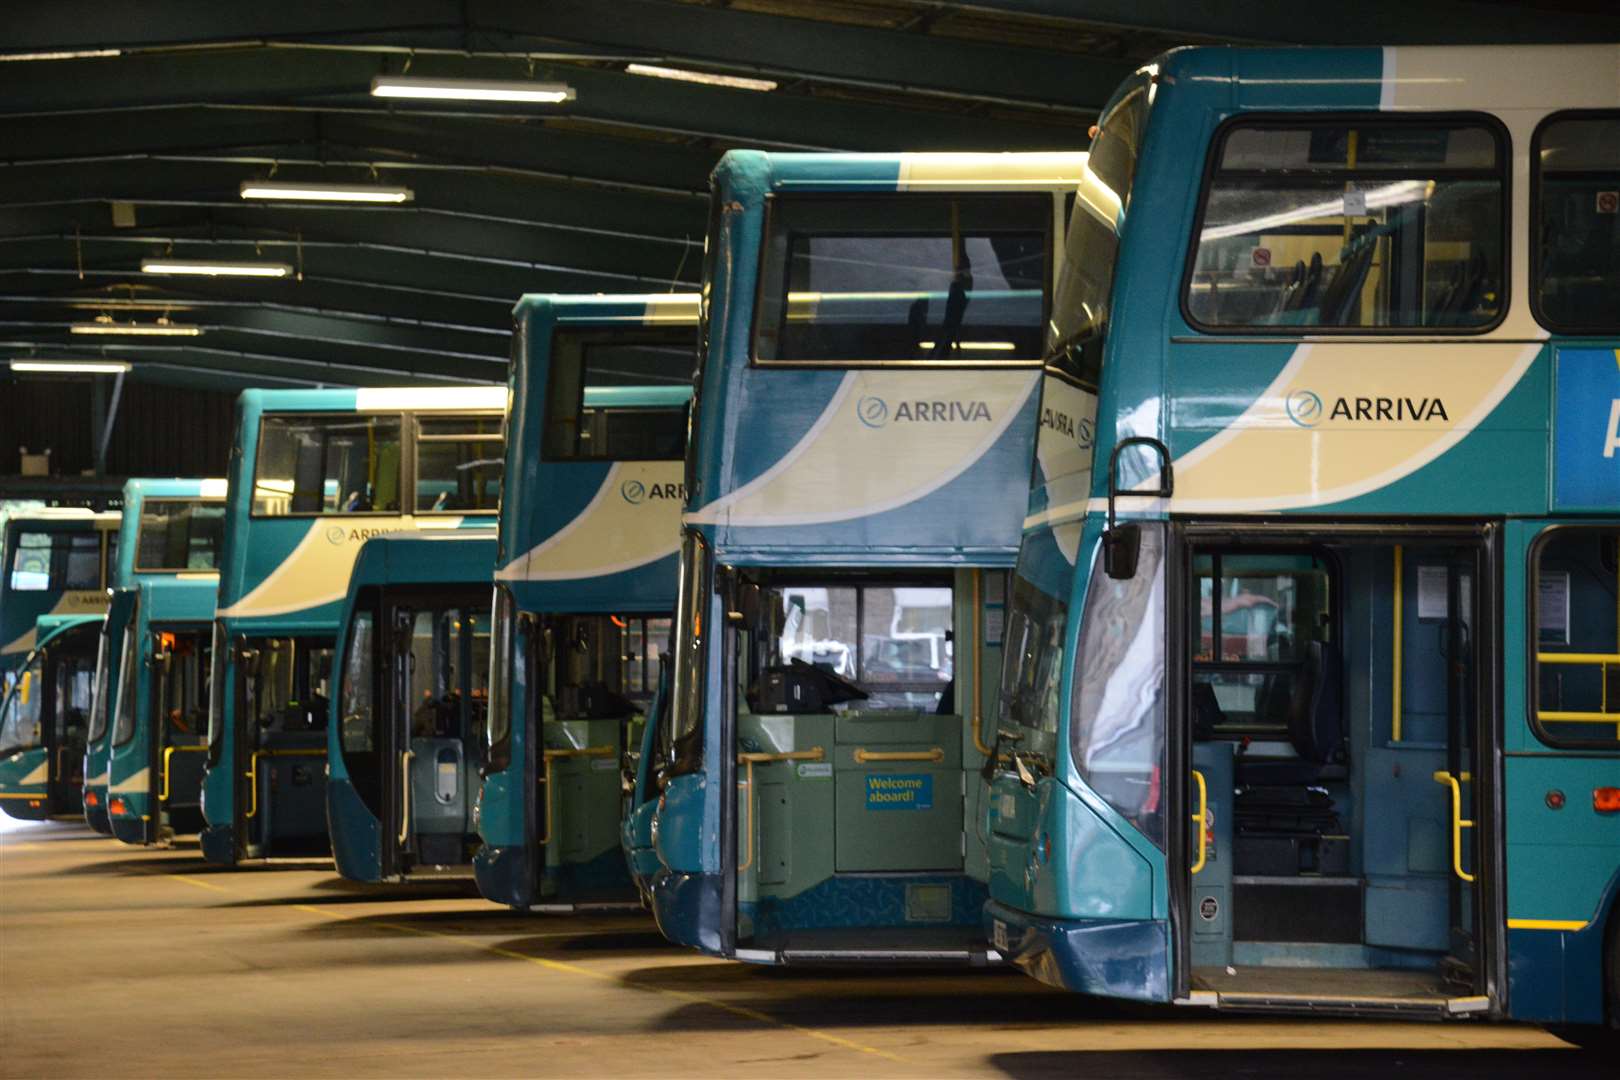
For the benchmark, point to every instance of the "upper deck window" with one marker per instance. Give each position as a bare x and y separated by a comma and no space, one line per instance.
179,534
1577,215
904,278
1352,224
459,462
618,397
336,463
56,560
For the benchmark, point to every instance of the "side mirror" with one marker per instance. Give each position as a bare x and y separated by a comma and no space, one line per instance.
1123,543
1121,546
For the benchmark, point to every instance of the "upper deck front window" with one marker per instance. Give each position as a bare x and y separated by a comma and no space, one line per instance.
1352,224
904,278
56,560
179,534
337,463
618,397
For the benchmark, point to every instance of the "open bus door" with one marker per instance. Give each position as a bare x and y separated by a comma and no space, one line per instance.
1333,713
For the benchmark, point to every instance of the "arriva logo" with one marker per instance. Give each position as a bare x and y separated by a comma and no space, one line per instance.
635,492
1080,430
874,412
1305,408
336,534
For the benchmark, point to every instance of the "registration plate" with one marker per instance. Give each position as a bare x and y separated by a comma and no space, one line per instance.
998,935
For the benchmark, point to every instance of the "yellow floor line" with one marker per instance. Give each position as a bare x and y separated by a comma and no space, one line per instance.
574,969
199,883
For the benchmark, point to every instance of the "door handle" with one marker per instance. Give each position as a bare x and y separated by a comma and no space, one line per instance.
405,794
1458,822
1201,819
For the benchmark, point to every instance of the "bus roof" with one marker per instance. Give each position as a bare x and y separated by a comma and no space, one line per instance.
373,399
903,171
442,557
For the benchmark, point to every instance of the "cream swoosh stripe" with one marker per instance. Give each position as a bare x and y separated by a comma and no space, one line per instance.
23,643
99,779
1263,445
135,782
829,475
40,774
611,534
316,571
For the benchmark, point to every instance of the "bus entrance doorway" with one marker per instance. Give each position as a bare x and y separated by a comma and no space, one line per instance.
1337,688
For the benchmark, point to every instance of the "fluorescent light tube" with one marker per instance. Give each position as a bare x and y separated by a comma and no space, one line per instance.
214,268
360,193
410,86
734,82
161,328
64,54
88,367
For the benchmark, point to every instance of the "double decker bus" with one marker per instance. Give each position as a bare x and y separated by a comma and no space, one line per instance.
313,475
1310,693
53,584
872,329
149,731
589,529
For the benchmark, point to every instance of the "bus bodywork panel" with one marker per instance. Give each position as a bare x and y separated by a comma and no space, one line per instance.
460,559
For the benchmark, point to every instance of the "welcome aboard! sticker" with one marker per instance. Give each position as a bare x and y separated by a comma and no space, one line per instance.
902,791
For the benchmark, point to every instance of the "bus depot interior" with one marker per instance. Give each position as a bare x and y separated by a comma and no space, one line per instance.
858,763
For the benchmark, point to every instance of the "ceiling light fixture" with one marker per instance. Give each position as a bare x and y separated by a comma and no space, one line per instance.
214,268
67,367
411,86
104,324
65,54
291,190
734,82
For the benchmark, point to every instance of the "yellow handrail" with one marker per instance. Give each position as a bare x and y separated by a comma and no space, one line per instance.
976,716
750,759
1202,820
1458,822
253,771
1568,716
863,755
553,755
168,752
405,760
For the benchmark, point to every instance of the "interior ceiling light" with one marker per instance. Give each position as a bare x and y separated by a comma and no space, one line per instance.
411,86
291,190
734,82
104,324
215,268
68,54
64,367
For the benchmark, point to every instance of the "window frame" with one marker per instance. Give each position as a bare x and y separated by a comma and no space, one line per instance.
1349,117
407,479
182,500
415,469
1532,614
584,337
1534,224
773,201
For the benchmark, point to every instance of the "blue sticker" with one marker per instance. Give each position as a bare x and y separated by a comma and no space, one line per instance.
1586,430
892,791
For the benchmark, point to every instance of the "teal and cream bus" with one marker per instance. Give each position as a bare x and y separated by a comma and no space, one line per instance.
585,588
1310,701
313,475
159,634
870,349
58,561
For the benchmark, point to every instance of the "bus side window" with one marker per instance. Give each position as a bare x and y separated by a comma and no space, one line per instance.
1575,573
1577,223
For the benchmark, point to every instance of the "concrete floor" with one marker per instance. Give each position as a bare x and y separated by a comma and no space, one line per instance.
123,962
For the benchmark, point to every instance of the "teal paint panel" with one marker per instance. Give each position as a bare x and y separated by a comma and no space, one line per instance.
1559,861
